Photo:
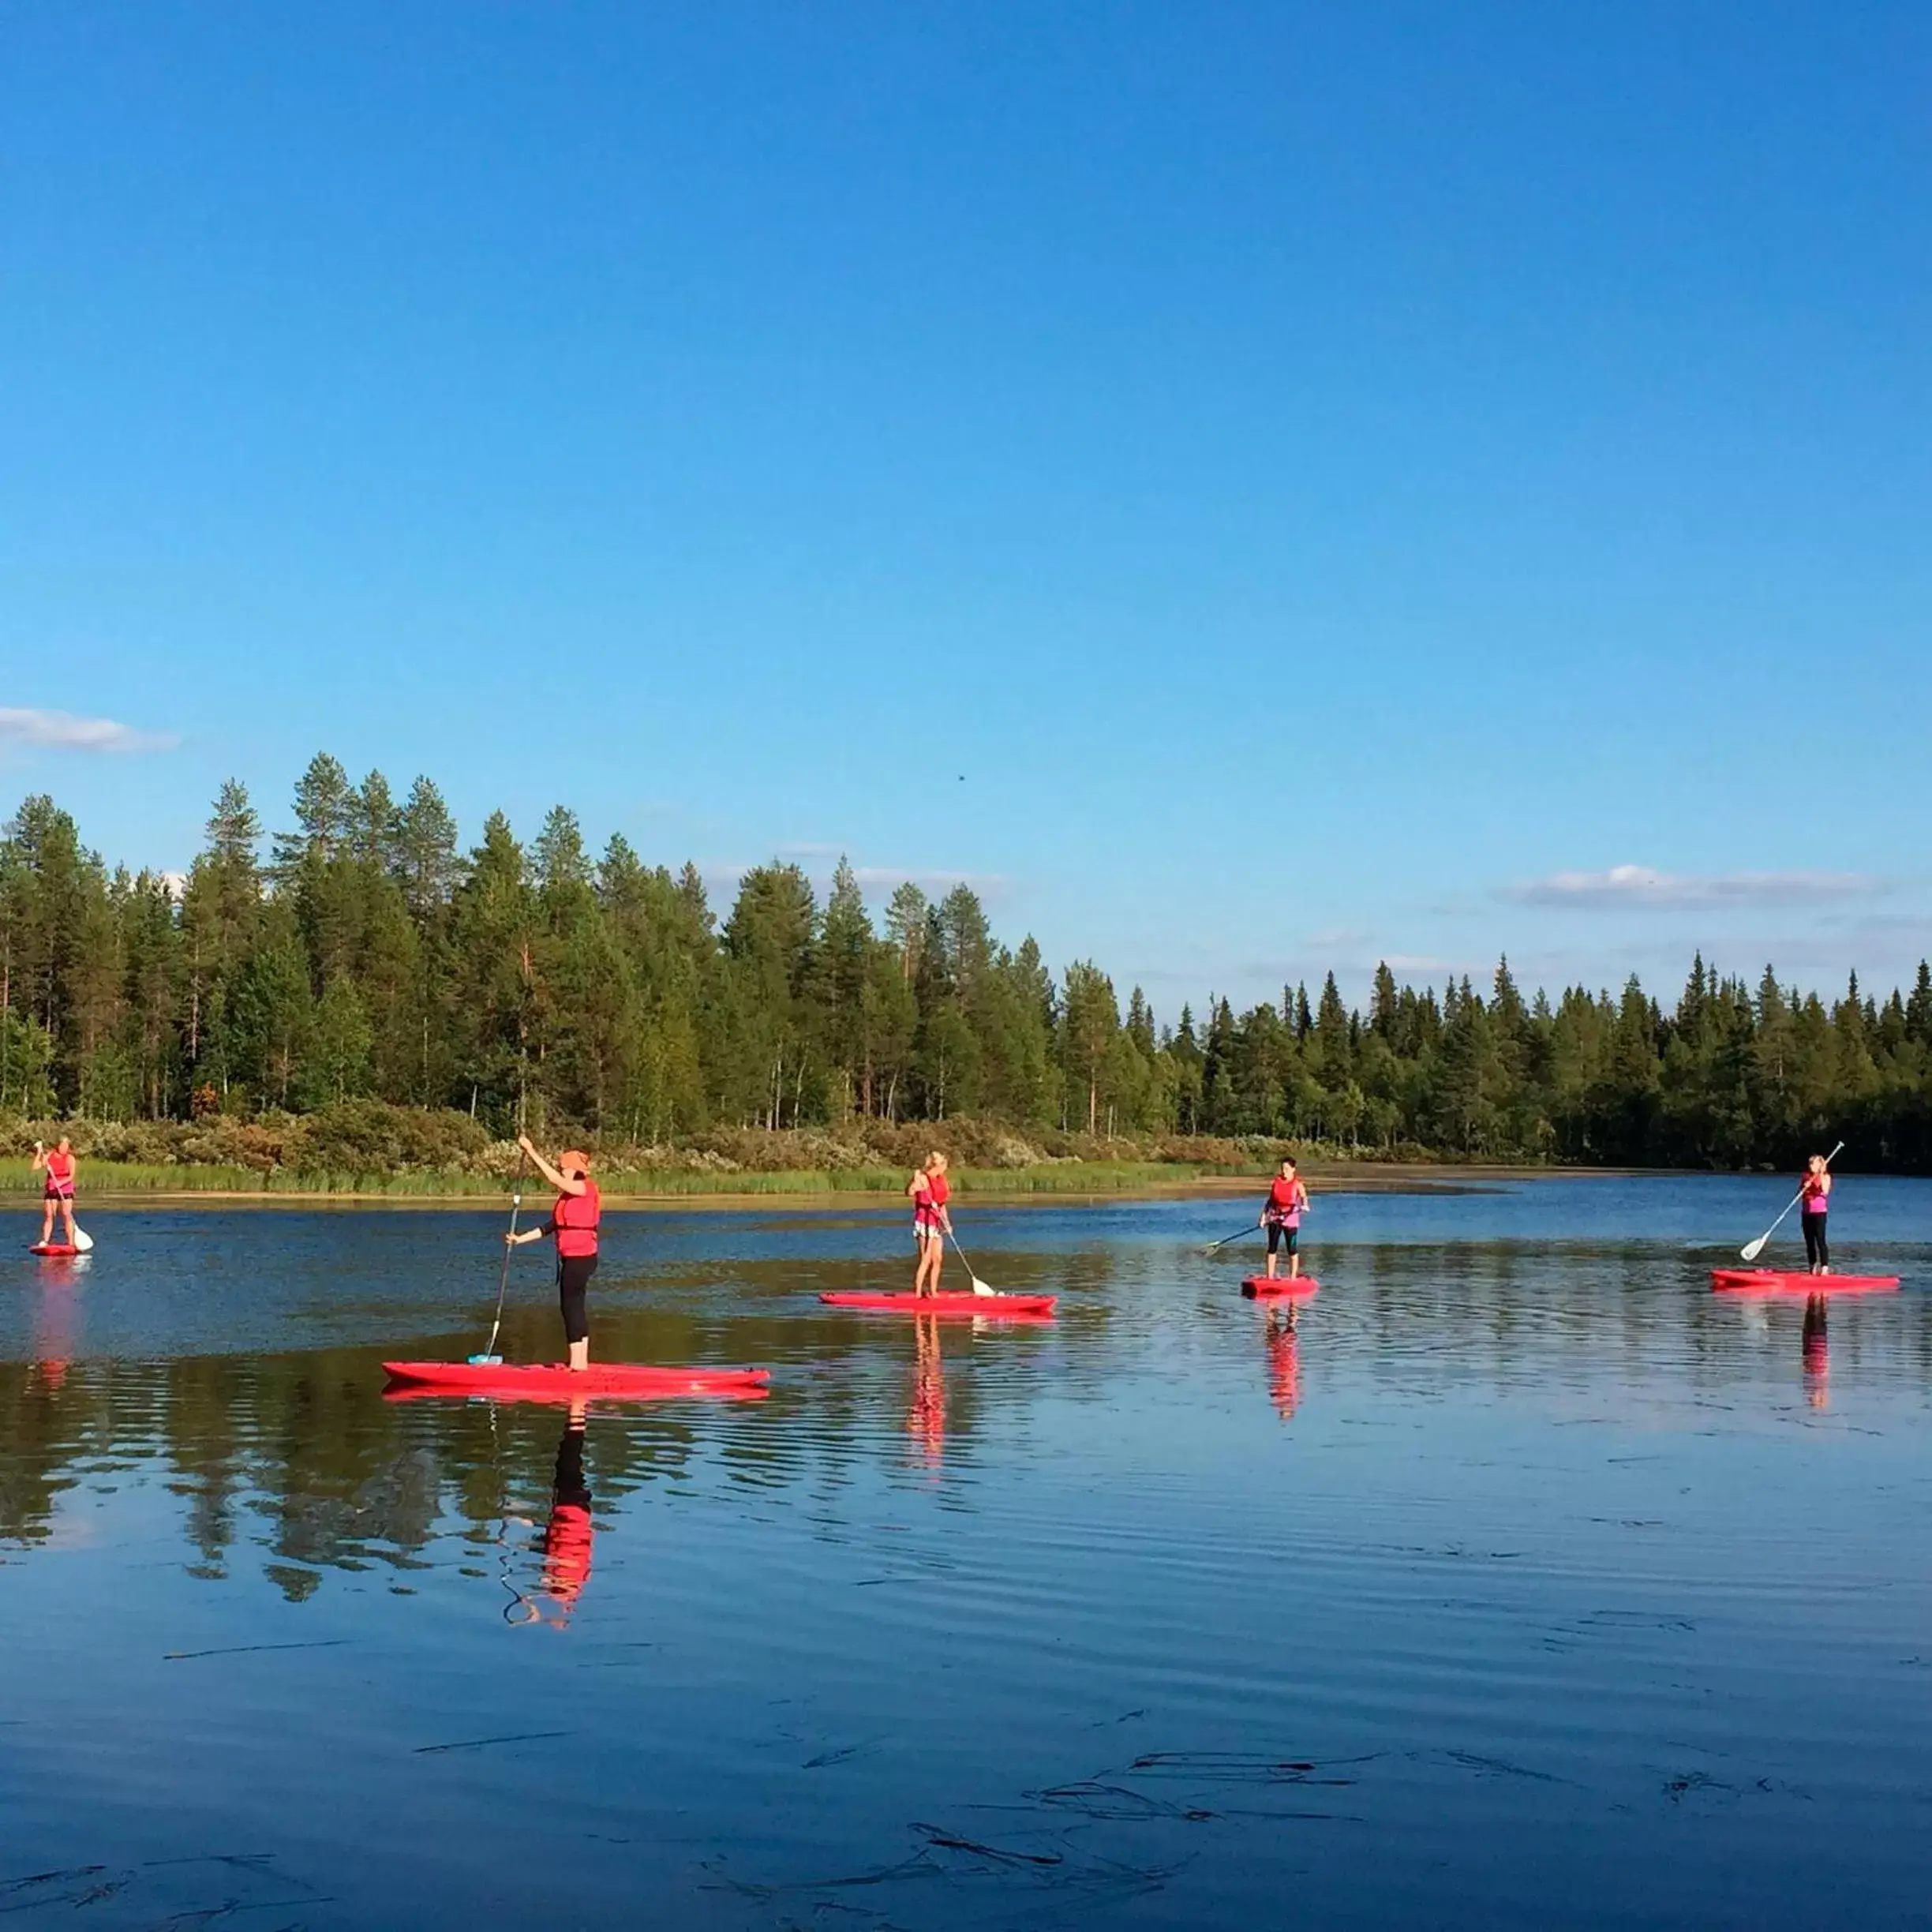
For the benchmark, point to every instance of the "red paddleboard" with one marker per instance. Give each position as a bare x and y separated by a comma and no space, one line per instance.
1001,1305
1777,1281
61,1249
1300,1288
553,1382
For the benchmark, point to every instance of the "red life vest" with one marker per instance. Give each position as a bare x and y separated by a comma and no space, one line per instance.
930,1200
566,1547
1284,1199
575,1218
60,1172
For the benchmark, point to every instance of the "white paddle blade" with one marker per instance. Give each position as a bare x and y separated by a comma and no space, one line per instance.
1751,1250
83,1241
979,1287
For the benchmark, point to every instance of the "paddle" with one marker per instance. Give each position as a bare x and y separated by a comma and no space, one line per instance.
1751,1250
489,1358
1216,1247
978,1286
83,1241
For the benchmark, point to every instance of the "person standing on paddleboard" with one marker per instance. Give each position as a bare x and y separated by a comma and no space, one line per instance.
929,1192
1287,1201
1815,1190
574,1222
59,1167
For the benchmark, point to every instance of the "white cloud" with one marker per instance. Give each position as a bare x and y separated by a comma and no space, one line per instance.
815,863
877,878
1643,887
61,730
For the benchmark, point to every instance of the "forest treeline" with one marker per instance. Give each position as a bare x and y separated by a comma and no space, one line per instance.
362,953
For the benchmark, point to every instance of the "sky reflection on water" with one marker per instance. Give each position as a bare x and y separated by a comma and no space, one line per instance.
1520,1581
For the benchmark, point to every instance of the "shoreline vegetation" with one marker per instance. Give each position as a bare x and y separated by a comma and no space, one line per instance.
126,1183
365,1002
368,1151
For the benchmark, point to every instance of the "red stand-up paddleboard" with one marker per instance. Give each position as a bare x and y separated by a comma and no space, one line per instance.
58,1250
1282,1288
553,1382
1778,1280
1000,1307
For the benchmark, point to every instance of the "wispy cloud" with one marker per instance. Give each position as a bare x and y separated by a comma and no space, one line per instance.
1631,887
877,878
63,732
817,862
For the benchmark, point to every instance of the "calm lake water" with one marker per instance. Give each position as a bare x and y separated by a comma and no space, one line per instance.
1524,1582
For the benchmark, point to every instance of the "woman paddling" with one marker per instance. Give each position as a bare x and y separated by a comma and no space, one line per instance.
59,1167
574,1222
1287,1200
929,1192
1815,1190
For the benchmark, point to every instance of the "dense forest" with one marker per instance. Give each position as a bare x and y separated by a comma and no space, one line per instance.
364,954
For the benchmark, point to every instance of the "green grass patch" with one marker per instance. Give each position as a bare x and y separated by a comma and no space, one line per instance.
100,1177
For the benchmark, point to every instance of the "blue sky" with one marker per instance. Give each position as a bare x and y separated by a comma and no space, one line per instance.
1254,487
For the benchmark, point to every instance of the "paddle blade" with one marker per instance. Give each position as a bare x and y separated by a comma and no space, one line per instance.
1751,1250
979,1287
83,1241
485,1361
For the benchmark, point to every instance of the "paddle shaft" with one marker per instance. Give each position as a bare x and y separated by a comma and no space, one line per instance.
502,1280
1751,1250
1247,1228
978,1286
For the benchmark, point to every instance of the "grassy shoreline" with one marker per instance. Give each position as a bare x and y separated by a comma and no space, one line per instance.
129,1182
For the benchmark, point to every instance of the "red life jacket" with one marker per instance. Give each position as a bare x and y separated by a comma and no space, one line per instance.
930,1200
575,1218
60,1172
1284,1198
567,1543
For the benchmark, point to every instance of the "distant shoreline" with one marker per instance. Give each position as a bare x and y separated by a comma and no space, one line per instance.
828,1192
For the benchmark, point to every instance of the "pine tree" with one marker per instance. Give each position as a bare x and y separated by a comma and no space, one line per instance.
905,926
325,816
426,851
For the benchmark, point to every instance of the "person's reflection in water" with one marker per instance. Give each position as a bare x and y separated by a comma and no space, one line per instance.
925,1418
564,1542
1284,1364
1817,1353
56,1320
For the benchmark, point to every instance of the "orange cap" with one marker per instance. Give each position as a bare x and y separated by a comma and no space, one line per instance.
573,1160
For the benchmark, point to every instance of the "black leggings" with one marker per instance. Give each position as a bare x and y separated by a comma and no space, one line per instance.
573,1273
1818,1249
1287,1239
